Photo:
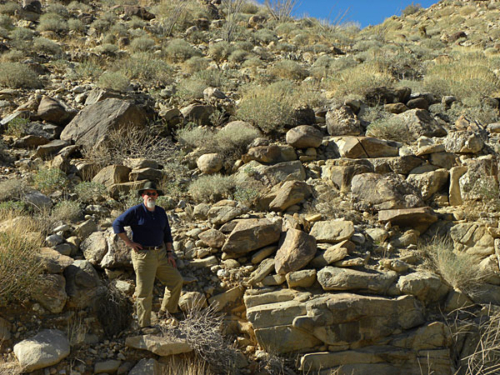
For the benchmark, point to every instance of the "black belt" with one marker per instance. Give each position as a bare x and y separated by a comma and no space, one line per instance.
152,247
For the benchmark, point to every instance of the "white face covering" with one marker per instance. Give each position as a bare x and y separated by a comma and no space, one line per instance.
150,203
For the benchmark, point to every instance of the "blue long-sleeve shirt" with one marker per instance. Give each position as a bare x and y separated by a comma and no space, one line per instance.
149,228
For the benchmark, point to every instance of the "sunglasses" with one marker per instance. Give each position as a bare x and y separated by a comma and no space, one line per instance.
151,193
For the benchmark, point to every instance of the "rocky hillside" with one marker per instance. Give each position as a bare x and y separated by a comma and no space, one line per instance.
333,192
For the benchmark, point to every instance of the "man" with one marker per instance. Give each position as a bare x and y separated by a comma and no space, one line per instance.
152,254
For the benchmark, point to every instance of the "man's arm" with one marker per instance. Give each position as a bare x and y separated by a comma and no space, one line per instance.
119,228
134,245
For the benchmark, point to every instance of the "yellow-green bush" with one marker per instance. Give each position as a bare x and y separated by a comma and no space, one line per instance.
288,69
114,81
211,188
48,180
178,50
17,75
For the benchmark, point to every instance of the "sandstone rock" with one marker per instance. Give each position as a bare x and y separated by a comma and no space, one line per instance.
429,182
109,366
304,136
420,123
54,111
192,301
46,348
426,286
332,254
290,193
51,292
93,123
38,200
263,154
454,191
52,261
473,238
213,238
332,231
419,218
251,234
301,279
150,174
51,148
398,164
112,174
5,328
343,121
384,192
365,147
219,215
146,367
197,113
334,278
162,346
82,282
463,143
264,269
295,252
229,297
209,163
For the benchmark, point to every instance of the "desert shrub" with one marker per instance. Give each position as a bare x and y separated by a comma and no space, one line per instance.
136,23
480,112
177,15
104,22
411,9
79,6
178,50
19,263
66,211
193,87
220,51
88,192
11,189
107,49
17,75
147,69
47,46
114,81
211,188
48,180
142,44
76,25
87,69
10,8
468,76
6,22
272,107
322,67
288,69
17,127
238,56
16,207
52,22
458,269
356,81
4,33
253,62
119,30
130,142
391,128
195,64
243,45
249,8
21,38
113,310
265,36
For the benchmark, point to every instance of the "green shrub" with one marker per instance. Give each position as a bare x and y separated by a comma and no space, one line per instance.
49,180
480,112
52,22
193,87
47,46
6,22
273,107
178,50
238,56
142,44
19,261
11,189
195,64
76,25
21,38
136,23
265,36
114,81
10,8
107,49
79,6
211,188
66,211
288,69
89,192
17,207
220,51
17,75
146,69
87,69
411,9
392,128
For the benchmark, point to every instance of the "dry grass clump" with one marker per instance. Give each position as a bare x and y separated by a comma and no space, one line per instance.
288,69
202,330
66,211
469,76
52,22
20,242
457,269
178,50
113,309
392,128
146,69
114,81
47,47
11,189
16,76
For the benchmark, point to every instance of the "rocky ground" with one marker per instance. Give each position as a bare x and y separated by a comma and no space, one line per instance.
351,229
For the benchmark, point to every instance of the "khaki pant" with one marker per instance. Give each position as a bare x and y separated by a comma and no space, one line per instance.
149,264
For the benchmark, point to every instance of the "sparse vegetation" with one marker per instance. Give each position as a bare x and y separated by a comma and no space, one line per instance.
211,188
49,180
16,75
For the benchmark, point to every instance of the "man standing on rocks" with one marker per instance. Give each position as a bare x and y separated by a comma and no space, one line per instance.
152,254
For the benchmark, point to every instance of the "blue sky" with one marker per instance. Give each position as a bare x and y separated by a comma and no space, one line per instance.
365,12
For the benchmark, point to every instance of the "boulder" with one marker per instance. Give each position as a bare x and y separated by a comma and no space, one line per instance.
251,234
112,174
420,123
426,286
463,142
290,193
304,136
93,123
51,292
419,218
46,348
365,147
53,111
332,231
209,163
342,121
82,282
52,261
162,346
335,278
296,251
213,238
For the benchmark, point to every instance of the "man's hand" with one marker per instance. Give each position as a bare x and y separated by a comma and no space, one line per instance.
171,259
134,245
